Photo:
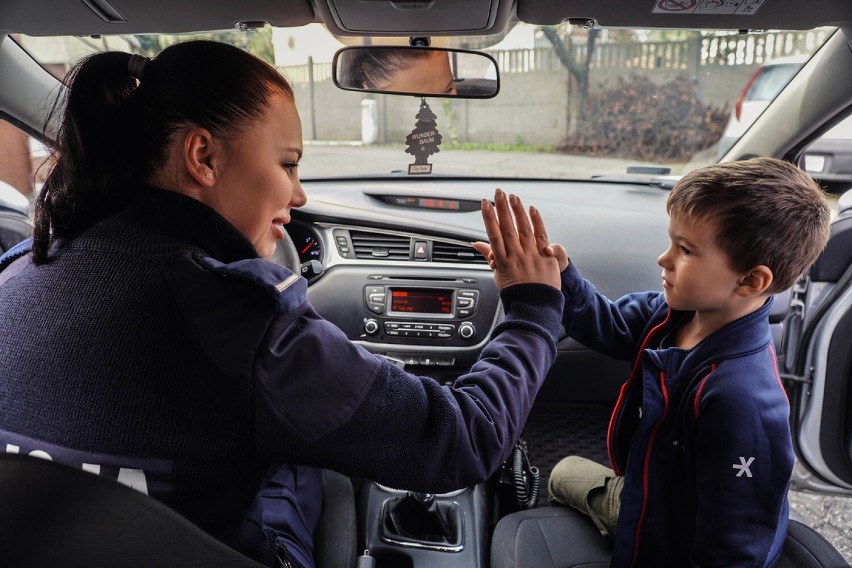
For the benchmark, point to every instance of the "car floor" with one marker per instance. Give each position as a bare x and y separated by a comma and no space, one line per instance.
555,430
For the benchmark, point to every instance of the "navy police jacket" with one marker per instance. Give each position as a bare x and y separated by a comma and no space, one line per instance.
157,349
701,436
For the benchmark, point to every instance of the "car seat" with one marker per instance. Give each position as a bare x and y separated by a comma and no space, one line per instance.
560,537
56,515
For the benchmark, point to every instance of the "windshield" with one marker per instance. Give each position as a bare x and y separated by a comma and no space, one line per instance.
573,102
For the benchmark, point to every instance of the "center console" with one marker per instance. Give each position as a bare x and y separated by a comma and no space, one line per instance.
437,321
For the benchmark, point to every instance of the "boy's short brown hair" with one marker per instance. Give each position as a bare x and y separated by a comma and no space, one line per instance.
765,211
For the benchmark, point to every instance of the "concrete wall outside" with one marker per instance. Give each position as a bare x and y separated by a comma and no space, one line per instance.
533,107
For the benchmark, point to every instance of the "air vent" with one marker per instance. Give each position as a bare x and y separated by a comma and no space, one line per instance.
448,252
380,246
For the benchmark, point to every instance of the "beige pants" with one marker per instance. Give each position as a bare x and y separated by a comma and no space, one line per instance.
590,488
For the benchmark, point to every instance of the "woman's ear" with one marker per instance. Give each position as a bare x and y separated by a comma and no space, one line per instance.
755,282
201,155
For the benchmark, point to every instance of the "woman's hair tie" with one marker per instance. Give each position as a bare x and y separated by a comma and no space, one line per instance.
136,66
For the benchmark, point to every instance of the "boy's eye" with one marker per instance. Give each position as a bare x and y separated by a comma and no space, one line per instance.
685,251
289,166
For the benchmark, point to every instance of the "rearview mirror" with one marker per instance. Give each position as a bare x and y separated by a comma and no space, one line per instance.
419,71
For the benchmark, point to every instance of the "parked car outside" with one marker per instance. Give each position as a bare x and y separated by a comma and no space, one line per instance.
828,158
762,87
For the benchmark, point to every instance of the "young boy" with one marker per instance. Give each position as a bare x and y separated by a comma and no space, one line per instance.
699,439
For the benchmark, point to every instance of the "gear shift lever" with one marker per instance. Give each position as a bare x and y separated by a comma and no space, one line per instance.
420,517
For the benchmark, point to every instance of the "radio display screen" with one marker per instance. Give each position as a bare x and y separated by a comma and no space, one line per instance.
421,300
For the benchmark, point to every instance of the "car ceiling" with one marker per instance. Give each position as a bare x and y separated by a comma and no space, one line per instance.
402,18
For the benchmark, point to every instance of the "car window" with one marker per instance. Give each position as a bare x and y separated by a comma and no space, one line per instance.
22,160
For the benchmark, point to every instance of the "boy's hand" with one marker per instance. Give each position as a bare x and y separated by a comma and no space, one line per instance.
561,256
521,256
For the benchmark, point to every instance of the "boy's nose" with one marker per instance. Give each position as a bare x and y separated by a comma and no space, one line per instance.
663,259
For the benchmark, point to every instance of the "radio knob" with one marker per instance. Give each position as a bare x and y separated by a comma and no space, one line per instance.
371,327
466,330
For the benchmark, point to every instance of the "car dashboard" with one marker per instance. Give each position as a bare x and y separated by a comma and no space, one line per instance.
390,262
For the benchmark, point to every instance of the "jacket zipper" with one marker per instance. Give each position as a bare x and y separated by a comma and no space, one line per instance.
610,443
646,467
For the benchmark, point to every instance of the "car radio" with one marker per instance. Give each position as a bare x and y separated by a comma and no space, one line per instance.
420,311
421,317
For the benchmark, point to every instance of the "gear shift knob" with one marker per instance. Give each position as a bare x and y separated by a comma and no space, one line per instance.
425,498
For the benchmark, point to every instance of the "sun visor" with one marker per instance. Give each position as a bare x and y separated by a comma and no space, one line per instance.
427,17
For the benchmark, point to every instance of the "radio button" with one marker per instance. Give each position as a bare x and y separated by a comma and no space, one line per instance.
371,326
374,296
466,330
466,302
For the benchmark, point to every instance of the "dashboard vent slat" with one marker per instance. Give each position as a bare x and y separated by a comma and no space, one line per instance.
449,252
370,245
380,246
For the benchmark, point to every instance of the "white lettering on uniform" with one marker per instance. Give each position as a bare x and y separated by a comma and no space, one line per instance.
13,449
133,478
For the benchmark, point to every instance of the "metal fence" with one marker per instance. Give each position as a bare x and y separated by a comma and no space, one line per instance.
308,73
710,50
718,50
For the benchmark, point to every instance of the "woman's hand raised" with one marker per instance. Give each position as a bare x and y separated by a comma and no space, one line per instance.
518,250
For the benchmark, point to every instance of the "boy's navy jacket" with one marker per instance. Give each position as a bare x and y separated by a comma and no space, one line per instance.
702,435
157,349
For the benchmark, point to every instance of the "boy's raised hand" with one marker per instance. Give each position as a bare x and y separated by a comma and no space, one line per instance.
518,250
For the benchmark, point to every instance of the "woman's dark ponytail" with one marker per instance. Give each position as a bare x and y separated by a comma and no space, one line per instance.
90,151
122,114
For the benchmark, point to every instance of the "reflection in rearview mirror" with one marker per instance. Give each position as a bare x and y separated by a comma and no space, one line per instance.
420,71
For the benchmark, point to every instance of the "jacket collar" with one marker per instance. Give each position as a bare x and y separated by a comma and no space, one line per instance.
742,336
158,217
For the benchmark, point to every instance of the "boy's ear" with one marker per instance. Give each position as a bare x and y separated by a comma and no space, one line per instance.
756,281
200,154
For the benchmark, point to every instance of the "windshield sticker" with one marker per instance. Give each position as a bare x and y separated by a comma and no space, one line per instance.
716,7
423,140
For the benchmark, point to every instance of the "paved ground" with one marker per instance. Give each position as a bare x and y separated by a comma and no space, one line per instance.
830,516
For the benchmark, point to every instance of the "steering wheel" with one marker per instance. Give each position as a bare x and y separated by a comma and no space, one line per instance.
286,254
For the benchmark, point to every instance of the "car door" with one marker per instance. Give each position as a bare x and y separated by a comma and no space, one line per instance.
815,359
